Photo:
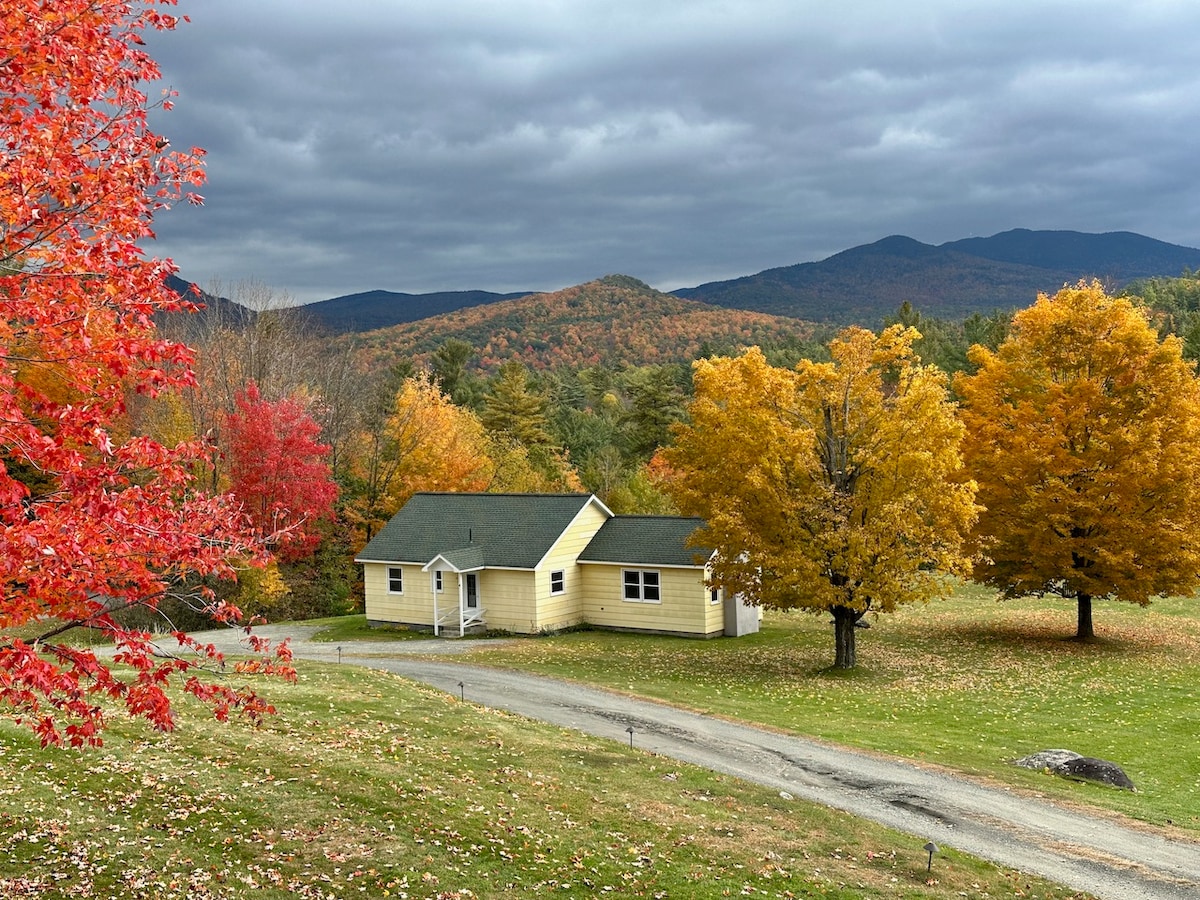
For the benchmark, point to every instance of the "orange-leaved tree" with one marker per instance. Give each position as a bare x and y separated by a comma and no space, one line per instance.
1083,432
834,487
93,520
444,447
416,440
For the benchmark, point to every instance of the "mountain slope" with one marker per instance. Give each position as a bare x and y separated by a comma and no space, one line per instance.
184,326
1006,271
381,309
1120,255
613,321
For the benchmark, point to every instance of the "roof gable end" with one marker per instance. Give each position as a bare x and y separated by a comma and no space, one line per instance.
593,502
464,559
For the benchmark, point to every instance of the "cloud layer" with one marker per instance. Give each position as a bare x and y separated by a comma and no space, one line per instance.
536,144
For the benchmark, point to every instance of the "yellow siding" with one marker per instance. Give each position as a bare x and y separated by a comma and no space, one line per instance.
714,616
507,598
413,607
593,594
555,611
685,607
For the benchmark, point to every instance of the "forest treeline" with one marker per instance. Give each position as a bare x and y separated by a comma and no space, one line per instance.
572,391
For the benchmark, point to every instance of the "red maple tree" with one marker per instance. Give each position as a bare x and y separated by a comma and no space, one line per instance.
92,521
279,470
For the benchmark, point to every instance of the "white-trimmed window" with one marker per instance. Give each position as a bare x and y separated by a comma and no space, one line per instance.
714,596
395,580
437,580
558,582
641,586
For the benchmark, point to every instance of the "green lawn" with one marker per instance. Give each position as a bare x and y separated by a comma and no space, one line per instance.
968,682
355,628
365,785
73,637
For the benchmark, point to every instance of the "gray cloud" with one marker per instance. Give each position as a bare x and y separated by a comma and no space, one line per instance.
536,144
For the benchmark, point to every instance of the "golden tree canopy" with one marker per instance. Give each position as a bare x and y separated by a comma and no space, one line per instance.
835,486
426,443
1084,436
443,446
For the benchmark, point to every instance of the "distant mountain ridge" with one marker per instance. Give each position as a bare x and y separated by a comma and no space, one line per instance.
1136,255
860,285
955,279
381,309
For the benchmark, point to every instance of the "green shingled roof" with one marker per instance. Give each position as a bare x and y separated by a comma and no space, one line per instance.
646,541
511,530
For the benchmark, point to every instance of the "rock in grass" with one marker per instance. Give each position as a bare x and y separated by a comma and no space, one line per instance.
1047,759
1097,770
1070,764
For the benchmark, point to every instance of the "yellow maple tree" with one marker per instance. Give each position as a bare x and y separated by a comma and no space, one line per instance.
425,443
835,487
1084,436
443,447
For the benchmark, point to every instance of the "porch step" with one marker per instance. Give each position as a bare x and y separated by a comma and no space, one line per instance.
452,626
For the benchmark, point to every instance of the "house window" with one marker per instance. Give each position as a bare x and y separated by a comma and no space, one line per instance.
437,580
395,580
641,586
714,596
557,584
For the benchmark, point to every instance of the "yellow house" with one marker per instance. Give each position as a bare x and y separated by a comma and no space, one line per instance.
529,563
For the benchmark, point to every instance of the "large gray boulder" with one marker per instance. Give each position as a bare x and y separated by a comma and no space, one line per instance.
1047,759
1070,764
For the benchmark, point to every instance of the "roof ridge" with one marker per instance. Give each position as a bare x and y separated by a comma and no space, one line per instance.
656,516
573,495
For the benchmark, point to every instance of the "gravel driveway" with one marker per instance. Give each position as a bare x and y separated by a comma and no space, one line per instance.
1105,856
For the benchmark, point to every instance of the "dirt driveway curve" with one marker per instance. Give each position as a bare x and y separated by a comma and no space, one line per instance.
1102,855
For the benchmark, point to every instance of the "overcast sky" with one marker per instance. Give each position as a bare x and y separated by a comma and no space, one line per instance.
426,145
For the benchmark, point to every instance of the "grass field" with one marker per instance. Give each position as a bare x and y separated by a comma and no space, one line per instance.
355,628
968,682
365,785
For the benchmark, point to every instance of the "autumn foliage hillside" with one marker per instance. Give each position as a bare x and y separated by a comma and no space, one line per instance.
614,321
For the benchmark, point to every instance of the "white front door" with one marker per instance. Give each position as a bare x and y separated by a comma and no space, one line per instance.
471,596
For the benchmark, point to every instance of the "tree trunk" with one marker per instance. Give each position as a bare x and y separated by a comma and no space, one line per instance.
844,621
1084,631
